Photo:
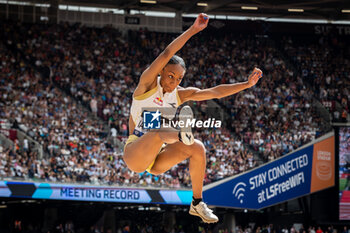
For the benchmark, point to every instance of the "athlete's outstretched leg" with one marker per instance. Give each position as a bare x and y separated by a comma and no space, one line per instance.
177,152
174,154
197,170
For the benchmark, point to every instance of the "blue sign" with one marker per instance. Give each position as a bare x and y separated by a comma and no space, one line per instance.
151,120
93,193
275,182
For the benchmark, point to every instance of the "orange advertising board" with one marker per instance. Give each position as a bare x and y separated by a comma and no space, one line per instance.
323,165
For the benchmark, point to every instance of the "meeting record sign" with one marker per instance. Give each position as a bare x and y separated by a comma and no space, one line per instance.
305,171
73,192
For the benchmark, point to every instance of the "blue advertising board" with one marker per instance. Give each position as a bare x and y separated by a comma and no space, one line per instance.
302,172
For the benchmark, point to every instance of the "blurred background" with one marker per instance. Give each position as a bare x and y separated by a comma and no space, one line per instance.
68,71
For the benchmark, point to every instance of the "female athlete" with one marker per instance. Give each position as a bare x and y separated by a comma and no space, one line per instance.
158,150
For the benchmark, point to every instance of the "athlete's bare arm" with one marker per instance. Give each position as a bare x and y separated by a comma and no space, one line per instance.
148,77
220,91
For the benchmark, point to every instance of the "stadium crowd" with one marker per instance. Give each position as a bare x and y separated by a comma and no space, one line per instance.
87,156
100,68
325,63
95,75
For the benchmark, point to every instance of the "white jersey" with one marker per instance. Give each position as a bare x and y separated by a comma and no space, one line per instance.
154,100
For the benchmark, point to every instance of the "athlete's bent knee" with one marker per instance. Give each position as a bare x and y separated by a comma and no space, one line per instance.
136,169
132,166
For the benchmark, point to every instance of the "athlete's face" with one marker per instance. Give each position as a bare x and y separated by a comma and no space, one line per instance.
171,76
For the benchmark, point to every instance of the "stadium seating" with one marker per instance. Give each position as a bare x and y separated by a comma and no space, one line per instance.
100,69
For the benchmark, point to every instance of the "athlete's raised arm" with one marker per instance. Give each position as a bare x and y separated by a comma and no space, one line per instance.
148,77
220,91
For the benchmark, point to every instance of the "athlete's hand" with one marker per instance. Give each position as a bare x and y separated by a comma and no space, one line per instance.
201,22
254,77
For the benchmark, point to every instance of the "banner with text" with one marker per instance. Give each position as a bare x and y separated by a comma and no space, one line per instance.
305,171
93,193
